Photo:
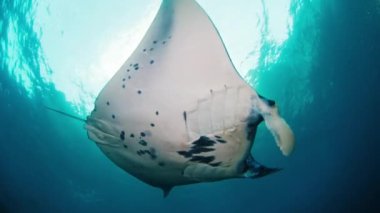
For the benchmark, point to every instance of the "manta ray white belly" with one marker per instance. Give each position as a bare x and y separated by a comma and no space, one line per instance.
177,112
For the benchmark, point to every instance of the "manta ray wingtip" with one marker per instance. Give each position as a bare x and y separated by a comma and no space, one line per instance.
280,130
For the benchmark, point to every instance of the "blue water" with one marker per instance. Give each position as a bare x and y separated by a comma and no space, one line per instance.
324,77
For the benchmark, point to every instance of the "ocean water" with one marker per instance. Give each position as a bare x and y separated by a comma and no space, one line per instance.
319,59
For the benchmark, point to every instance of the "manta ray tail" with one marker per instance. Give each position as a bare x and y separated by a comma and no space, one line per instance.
166,190
66,114
277,125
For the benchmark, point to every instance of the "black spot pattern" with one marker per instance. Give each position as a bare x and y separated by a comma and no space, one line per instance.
200,147
152,125
195,150
139,92
123,86
113,116
202,159
185,116
157,113
142,134
151,49
143,143
154,42
204,141
151,61
122,135
125,146
108,103
162,164
144,50
132,135
221,141
185,154
151,154
215,164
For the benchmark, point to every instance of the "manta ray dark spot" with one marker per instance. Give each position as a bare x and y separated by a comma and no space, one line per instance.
124,79
142,134
198,150
139,92
204,141
152,150
164,42
136,68
152,125
202,159
144,50
152,154
131,65
129,77
215,164
128,70
221,141
143,143
185,154
125,146
170,37
184,116
151,49
151,61
217,136
136,65
154,42
108,103
123,86
113,116
157,113
132,135
122,135
162,164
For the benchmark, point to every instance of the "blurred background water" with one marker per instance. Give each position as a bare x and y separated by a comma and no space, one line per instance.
319,59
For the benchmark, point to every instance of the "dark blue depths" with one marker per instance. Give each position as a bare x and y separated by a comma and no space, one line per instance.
47,164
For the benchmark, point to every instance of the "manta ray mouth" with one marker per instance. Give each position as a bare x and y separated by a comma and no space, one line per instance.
101,132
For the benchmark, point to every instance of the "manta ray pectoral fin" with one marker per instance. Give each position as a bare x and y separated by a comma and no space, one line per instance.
280,130
256,170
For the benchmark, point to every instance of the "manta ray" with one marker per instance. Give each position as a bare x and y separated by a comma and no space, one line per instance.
177,112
